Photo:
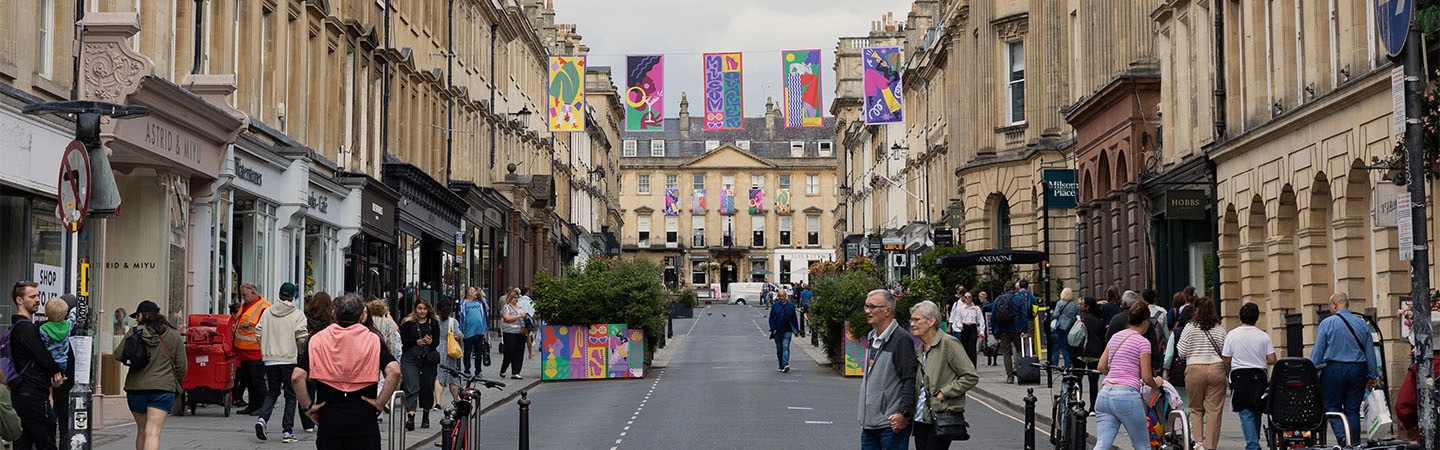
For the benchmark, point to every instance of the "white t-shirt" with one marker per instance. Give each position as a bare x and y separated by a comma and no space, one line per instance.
1247,348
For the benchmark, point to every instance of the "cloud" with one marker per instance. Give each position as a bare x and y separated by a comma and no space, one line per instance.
683,30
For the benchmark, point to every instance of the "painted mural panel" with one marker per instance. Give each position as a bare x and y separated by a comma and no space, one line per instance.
636,339
591,352
854,354
566,100
644,93
724,91
884,99
802,88
597,345
619,357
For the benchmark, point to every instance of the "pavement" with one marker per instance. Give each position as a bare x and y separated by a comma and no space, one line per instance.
208,429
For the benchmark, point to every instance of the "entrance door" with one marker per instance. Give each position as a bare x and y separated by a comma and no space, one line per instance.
727,275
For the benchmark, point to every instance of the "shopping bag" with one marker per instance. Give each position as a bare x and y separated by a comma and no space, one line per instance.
1375,419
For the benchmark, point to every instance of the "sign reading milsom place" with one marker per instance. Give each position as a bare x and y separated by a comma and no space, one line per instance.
1061,189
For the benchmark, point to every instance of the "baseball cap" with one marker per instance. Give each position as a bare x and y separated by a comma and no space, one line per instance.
145,306
288,289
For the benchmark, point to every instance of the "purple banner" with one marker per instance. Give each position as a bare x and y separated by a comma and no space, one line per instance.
884,98
724,91
644,93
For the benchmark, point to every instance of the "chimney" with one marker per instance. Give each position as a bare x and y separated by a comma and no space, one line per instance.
770,113
684,117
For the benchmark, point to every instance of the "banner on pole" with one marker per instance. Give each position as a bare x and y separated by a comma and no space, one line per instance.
884,96
698,203
644,93
801,72
565,103
757,201
724,91
672,201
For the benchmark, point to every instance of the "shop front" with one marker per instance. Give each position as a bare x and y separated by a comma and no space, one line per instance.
427,222
370,260
164,165
332,219
34,242
243,227
794,264
484,241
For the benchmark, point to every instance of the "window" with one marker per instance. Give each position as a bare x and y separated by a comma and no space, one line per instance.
642,224
784,271
672,232
744,145
644,184
757,230
697,238
784,182
827,149
699,182
46,57
784,231
812,185
657,147
812,231
672,182
1015,81
757,181
697,272
1002,224
727,182
711,145
628,148
797,149
729,231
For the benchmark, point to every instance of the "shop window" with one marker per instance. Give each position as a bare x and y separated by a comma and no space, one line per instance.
812,231
784,231
757,229
784,270
755,267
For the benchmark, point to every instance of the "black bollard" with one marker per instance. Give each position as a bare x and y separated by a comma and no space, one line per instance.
524,419
1030,419
447,430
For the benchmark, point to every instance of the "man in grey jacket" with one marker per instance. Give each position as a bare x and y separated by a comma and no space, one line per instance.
887,393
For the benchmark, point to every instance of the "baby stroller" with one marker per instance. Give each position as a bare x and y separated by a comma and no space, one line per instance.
1166,419
1297,416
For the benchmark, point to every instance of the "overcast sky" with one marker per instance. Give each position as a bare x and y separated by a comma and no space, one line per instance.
685,29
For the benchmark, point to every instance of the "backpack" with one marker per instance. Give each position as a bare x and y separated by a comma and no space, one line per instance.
1078,335
7,360
135,355
1004,312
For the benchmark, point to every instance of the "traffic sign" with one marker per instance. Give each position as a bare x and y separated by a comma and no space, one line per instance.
74,185
1392,20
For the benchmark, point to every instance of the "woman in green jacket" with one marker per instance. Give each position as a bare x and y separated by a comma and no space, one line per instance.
946,374
151,389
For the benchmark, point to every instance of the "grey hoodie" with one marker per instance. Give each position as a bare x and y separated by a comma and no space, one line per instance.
279,328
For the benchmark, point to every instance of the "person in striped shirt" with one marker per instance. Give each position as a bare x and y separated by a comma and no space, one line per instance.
1126,365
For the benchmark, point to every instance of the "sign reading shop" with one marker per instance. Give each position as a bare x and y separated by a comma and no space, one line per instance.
1061,189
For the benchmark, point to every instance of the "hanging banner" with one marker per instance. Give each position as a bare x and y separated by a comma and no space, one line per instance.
782,202
644,93
727,202
566,102
884,99
802,88
1061,189
698,203
757,201
672,201
724,91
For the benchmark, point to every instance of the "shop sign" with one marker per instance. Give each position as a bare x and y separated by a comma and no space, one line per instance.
893,243
321,203
1061,189
1406,228
1382,206
169,142
1185,204
852,249
49,279
247,173
944,237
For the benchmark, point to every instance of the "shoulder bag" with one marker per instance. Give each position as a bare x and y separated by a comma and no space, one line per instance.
949,426
452,345
1078,335
173,372
1215,347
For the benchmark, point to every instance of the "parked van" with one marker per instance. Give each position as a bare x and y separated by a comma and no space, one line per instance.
744,293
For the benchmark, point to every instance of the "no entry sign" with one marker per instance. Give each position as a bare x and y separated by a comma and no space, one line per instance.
74,186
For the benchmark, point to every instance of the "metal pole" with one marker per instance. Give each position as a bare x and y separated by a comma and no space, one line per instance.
493,109
524,403
1420,264
449,85
1045,278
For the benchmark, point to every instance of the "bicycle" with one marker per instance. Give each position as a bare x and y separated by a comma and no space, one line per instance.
459,417
1067,424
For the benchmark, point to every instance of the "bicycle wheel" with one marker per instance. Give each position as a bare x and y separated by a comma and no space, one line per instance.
1057,422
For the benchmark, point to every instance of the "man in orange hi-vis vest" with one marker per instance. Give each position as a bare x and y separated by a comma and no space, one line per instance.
247,347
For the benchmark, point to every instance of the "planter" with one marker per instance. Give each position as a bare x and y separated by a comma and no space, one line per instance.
682,311
589,352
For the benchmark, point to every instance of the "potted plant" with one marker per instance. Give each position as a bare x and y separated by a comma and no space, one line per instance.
683,303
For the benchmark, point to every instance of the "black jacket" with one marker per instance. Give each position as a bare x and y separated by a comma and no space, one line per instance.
1095,335
30,355
412,331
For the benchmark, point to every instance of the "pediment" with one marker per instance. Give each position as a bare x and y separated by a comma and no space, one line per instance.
727,156
813,211
644,210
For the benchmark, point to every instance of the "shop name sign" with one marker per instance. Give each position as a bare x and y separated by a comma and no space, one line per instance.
244,172
1185,204
996,259
322,203
1061,189
172,143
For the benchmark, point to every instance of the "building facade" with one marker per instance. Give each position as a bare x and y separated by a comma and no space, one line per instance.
757,203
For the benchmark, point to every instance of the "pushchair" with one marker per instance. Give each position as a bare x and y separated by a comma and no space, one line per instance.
1166,419
1297,416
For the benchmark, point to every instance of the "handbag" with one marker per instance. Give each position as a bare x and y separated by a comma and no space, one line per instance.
452,345
949,426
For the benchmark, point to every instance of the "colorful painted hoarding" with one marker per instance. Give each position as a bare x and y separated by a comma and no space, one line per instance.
565,105
591,352
644,93
802,88
724,91
884,100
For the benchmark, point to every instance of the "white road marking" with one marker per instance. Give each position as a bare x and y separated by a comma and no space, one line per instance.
801,408
818,422
1022,422
789,381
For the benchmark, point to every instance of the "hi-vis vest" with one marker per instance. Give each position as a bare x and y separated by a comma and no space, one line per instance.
245,338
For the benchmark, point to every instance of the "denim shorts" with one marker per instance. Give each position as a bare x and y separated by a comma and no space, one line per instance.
159,400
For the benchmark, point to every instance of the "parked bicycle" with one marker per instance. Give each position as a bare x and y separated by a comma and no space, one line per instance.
463,413
1067,424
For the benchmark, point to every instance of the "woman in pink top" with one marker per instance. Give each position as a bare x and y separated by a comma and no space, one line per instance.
1126,364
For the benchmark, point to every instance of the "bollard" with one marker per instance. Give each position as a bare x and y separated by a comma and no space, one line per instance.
524,419
447,432
1030,419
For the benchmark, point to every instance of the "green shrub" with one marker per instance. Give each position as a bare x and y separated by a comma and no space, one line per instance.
839,295
688,297
606,291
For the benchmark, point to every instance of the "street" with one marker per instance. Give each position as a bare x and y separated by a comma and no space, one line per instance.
721,391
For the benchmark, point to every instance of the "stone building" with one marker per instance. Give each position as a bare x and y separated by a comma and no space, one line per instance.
788,173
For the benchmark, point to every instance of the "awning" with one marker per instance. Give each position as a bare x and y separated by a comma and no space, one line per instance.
988,257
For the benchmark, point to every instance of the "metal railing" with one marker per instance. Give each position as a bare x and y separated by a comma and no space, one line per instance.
397,426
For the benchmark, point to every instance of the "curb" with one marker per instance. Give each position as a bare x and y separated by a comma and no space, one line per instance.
1041,419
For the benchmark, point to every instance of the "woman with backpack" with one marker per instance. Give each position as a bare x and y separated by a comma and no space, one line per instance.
1066,310
150,389
1087,354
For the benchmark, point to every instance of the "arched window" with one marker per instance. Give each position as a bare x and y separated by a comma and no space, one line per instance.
1002,223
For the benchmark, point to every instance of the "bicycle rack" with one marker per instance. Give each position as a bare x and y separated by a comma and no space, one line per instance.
1343,421
397,426
1185,426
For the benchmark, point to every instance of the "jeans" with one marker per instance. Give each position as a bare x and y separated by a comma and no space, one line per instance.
253,372
474,348
1116,406
1060,348
884,439
419,381
1250,425
37,420
277,379
782,348
1343,386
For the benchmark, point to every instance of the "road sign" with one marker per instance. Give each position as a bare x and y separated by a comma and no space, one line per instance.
74,186
1392,19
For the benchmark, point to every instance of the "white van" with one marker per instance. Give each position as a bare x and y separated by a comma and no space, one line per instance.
744,293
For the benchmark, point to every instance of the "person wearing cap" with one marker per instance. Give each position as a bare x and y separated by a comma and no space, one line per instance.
150,390
38,371
282,327
345,360
247,346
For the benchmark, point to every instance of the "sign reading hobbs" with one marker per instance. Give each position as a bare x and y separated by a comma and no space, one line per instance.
1061,189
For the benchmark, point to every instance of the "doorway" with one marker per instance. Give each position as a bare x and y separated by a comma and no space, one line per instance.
727,275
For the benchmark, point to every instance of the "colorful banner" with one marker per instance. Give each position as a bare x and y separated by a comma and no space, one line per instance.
591,352
672,201
782,202
802,88
884,100
698,202
566,102
644,93
727,202
724,91
757,201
